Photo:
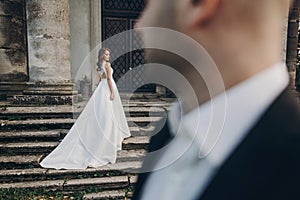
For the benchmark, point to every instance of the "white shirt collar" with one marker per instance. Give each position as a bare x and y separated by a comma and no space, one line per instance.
219,125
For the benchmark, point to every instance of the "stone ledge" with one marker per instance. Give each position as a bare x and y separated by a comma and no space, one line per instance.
65,123
29,134
55,134
115,194
43,99
40,174
17,160
32,145
34,148
56,184
73,184
8,89
72,109
39,93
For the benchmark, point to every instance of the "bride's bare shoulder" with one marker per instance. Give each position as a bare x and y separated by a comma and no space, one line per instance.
107,65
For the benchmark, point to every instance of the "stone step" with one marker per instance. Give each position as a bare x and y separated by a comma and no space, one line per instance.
27,134
4,104
31,161
41,174
56,134
24,161
20,136
139,103
140,111
39,124
7,89
111,183
22,100
64,111
139,95
111,194
36,148
44,124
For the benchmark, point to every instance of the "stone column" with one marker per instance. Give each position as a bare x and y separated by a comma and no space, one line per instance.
284,34
297,13
13,47
96,37
49,53
292,42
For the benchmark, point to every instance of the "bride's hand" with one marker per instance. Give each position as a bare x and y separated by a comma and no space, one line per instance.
112,96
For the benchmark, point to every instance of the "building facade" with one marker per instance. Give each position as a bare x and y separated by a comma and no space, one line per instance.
48,48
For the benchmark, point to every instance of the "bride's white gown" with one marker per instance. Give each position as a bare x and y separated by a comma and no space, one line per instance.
96,135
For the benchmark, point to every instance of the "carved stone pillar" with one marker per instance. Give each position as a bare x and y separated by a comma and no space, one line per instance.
49,53
13,47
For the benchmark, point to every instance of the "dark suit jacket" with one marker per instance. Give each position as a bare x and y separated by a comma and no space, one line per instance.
265,165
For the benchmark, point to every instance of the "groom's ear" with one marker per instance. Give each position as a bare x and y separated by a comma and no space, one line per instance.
201,12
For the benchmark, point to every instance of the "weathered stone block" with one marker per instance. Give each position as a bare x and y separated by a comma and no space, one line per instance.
49,60
13,65
13,48
49,19
43,100
13,8
13,34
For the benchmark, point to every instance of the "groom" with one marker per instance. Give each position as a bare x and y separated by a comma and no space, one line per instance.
257,155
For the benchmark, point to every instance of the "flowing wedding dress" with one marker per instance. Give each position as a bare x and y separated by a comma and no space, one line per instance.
97,134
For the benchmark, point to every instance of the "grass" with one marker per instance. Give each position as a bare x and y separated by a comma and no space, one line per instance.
3,107
14,118
42,194
37,194
43,128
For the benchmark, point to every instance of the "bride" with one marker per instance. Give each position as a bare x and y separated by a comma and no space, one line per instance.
97,134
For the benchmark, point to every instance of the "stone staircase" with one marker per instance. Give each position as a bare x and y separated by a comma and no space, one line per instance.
29,133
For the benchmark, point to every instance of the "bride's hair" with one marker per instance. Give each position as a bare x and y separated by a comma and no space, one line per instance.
100,54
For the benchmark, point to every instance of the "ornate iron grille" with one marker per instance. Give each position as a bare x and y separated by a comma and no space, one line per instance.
119,16
112,27
136,59
124,5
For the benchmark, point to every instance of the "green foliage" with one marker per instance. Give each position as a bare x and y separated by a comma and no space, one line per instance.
14,118
129,189
3,107
43,128
42,194
93,189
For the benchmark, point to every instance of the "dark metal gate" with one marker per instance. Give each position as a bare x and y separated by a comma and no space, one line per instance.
119,16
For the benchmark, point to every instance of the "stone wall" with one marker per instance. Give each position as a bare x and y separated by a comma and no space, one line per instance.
13,44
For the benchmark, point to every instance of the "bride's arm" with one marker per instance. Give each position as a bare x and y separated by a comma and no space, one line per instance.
108,70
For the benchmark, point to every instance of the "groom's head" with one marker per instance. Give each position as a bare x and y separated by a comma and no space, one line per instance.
189,14
217,22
